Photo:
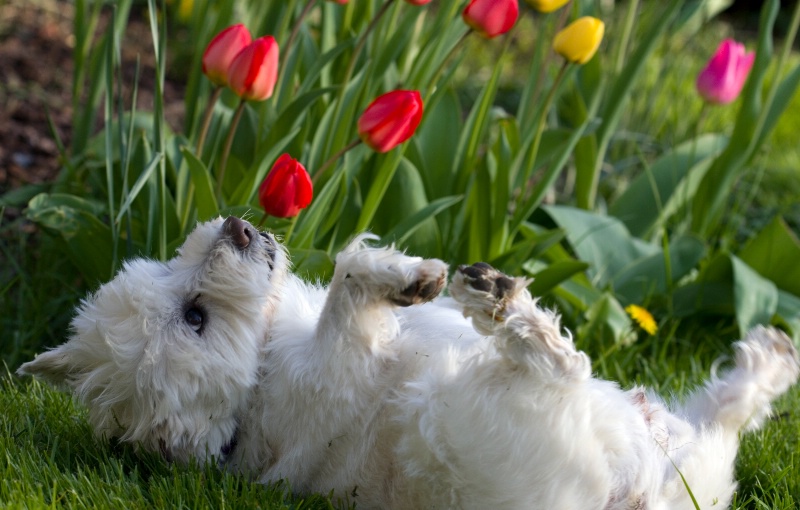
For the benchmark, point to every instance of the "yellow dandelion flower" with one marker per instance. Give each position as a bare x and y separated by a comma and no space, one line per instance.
643,318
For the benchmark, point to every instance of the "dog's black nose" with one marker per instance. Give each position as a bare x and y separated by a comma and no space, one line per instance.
240,232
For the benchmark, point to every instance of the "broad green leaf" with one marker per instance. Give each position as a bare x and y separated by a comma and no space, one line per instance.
436,144
547,278
474,129
403,230
789,312
602,241
648,275
385,172
641,206
536,241
76,221
756,297
729,286
312,265
703,297
204,199
775,254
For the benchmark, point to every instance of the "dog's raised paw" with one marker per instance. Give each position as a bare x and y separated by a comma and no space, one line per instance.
484,278
430,280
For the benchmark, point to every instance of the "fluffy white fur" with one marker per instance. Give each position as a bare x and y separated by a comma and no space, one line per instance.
374,390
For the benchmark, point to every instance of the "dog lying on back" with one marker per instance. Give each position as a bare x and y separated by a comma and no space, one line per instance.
390,397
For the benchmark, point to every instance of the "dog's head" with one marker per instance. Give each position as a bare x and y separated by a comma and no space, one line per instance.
165,354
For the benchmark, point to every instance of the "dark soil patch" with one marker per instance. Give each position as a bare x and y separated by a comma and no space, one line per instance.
35,79
36,73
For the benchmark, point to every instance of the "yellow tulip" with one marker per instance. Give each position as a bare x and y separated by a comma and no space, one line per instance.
546,5
578,42
185,10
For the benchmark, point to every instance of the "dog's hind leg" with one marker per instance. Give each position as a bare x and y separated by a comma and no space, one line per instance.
527,335
765,365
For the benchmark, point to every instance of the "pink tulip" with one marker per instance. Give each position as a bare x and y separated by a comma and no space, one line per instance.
723,78
221,51
254,71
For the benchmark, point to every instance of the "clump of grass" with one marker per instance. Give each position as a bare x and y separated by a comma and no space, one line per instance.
53,460
38,289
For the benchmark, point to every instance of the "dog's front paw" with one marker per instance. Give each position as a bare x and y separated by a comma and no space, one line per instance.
385,274
428,279
484,291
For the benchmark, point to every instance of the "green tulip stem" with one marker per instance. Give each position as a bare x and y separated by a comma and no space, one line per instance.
262,220
290,229
321,169
212,102
226,150
530,160
444,63
549,54
296,30
363,40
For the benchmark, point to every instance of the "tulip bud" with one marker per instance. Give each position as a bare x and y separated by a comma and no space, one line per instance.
723,77
418,2
254,71
390,119
547,5
287,188
578,41
340,2
221,51
491,18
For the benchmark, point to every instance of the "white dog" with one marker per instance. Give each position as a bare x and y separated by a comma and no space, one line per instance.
223,353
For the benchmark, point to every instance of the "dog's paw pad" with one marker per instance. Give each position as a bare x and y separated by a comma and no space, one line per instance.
484,278
431,278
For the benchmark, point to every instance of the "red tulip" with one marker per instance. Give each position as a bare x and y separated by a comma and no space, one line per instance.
286,189
221,51
723,78
390,119
418,2
253,72
491,18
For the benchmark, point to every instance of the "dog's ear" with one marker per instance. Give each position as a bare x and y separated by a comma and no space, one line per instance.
54,366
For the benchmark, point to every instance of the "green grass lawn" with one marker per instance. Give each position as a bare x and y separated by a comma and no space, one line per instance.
52,460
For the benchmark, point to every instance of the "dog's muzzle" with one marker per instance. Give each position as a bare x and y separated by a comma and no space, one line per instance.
239,232
244,236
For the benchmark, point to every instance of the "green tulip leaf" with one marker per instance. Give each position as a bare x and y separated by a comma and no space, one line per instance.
403,230
775,254
648,275
547,278
205,201
76,222
643,204
602,241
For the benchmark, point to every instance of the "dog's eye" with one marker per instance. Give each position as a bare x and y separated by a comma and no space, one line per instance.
194,317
